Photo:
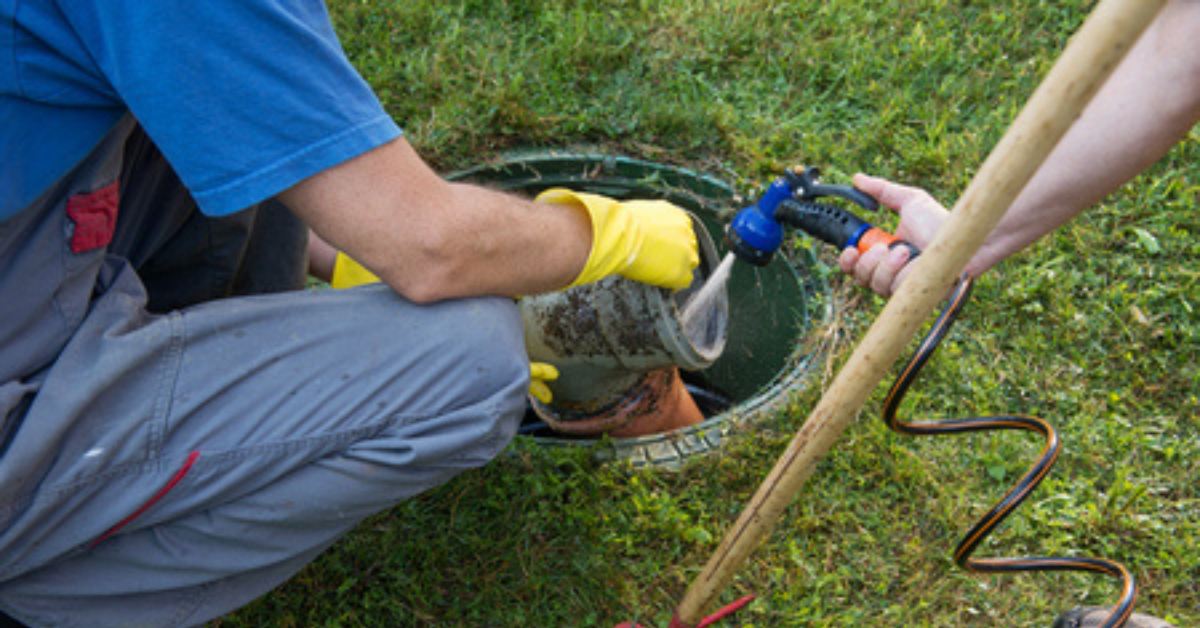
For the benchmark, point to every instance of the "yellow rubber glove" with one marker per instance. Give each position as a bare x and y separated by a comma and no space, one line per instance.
540,373
348,273
648,241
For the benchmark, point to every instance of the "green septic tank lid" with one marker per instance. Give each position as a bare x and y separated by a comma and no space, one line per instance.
774,310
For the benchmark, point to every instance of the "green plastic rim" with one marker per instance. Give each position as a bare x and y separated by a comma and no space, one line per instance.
773,310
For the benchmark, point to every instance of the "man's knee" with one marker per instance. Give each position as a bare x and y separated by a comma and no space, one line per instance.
472,375
495,364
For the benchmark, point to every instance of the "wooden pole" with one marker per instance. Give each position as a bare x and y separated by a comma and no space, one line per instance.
1091,55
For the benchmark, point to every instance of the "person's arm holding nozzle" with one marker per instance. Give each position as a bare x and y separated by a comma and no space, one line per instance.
1148,104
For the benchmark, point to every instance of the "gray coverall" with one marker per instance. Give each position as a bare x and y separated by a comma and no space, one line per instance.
170,451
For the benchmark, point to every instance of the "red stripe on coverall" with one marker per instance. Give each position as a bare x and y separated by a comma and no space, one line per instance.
176,479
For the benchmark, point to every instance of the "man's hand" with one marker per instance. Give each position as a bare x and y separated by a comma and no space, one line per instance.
881,269
648,241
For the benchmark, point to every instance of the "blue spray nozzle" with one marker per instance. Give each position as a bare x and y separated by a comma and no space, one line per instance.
755,235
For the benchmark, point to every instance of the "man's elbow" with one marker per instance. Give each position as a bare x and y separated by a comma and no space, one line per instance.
424,292
433,271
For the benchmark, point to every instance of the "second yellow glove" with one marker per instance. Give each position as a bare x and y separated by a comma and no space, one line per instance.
347,273
539,374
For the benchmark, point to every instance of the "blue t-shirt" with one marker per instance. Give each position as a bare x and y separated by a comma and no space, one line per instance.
245,98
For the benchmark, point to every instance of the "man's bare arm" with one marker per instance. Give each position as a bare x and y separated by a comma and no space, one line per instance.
430,239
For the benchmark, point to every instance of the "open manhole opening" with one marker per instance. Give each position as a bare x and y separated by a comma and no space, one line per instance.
773,311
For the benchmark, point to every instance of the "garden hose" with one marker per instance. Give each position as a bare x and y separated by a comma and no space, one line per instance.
1017,494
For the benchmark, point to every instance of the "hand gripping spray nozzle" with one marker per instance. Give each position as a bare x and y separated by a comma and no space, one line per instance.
756,232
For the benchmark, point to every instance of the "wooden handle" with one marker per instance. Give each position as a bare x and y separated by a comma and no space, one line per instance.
1103,40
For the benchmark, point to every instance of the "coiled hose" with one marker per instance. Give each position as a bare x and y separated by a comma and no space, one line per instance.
1017,494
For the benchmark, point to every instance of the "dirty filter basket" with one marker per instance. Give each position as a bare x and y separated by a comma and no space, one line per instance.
773,311
605,335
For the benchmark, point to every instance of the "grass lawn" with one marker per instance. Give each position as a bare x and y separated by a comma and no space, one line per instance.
1096,329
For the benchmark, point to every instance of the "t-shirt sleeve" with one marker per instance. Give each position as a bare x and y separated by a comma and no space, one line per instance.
245,98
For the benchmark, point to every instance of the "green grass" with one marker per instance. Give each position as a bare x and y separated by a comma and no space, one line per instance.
1095,329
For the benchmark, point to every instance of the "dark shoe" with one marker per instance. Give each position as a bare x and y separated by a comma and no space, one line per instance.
9,622
1093,616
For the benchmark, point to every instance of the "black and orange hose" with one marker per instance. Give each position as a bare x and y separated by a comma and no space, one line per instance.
1024,486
